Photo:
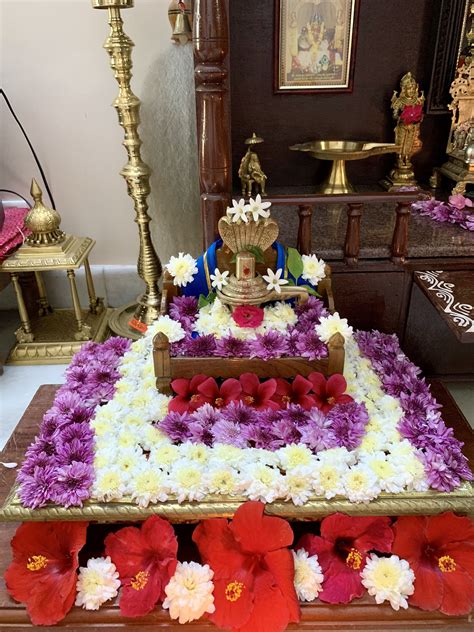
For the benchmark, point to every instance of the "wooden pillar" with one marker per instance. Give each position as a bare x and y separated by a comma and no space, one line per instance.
303,244
352,242
162,363
400,233
211,48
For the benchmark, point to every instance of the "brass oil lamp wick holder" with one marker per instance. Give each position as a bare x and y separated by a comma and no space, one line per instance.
246,287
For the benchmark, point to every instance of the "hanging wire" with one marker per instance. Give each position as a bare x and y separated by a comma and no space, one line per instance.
43,177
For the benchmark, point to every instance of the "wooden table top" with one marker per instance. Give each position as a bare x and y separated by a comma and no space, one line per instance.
362,614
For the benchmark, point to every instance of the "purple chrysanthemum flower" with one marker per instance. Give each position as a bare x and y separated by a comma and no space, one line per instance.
179,348
286,430
77,377
199,433
118,345
52,425
268,345
241,414
82,431
296,414
184,310
317,433
229,346
200,347
176,426
73,484
292,338
42,444
74,450
37,489
262,436
40,459
228,432
310,346
348,423
206,415
440,476
312,304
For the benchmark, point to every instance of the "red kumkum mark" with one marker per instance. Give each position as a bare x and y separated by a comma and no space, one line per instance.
233,591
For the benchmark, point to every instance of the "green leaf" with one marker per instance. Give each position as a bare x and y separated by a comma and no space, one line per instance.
211,297
310,290
295,263
257,253
202,302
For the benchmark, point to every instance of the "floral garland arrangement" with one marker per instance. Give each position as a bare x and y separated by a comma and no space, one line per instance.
247,566
458,210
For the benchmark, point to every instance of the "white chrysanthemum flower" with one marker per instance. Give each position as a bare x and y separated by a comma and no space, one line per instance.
295,455
127,459
171,328
361,484
388,579
298,485
152,437
372,442
219,279
164,455
337,456
274,280
109,484
238,211
257,208
262,482
182,268
390,477
221,453
313,269
188,480
97,583
328,479
189,593
308,575
149,485
223,479
279,316
333,324
196,452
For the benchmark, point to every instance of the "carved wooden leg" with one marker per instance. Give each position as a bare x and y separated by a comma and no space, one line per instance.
352,242
24,333
83,331
400,233
44,306
336,354
303,243
162,363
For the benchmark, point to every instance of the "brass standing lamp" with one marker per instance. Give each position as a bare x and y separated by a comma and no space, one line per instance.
132,320
53,336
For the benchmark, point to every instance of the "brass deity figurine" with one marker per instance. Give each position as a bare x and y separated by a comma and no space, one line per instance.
460,149
250,171
407,110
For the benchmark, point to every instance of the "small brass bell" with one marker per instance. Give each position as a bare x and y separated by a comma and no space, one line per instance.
179,15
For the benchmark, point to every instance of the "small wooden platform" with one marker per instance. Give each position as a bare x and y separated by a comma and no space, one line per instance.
452,294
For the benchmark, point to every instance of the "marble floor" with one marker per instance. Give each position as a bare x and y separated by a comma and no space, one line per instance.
18,384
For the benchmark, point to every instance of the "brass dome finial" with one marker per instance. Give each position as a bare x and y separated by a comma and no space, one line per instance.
42,221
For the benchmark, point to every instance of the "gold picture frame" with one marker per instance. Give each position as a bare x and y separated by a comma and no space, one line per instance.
315,43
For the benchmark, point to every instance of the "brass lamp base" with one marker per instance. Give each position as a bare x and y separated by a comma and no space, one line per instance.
54,337
337,181
459,171
120,318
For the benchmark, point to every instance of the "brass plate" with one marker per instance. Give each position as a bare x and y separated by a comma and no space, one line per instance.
214,506
54,337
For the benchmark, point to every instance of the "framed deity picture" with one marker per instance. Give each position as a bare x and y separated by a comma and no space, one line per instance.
315,45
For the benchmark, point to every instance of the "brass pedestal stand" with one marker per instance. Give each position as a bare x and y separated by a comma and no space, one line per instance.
132,320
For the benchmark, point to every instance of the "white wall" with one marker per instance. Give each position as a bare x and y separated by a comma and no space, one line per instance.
58,79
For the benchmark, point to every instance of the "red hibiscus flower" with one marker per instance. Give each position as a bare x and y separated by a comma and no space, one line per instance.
256,394
253,570
411,114
329,392
440,550
342,549
294,393
146,560
248,315
219,397
43,573
189,398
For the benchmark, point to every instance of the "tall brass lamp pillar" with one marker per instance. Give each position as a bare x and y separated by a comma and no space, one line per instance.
132,320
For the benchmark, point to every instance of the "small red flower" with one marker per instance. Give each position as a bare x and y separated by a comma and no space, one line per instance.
440,550
294,393
253,570
146,560
411,114
342,549
256,394
219,397
329,392
248,315
189,398
43,573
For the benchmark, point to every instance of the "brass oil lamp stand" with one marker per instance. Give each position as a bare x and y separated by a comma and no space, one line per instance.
132,320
